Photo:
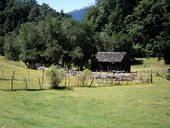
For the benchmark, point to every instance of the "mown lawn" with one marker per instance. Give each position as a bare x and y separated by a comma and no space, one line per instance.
140,106
132,106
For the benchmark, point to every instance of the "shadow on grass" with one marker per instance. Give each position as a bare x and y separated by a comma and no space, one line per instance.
37,90
137,62
62,88
15,90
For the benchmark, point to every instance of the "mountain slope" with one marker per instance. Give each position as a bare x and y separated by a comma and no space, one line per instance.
78,14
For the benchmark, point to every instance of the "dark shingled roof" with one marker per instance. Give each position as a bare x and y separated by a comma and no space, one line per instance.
110,56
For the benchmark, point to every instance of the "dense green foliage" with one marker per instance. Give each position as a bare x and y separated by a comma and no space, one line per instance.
167,76
38,34
145,22
42,35
55,76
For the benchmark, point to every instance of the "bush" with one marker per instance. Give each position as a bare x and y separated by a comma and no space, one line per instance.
167,76
84,76
55,76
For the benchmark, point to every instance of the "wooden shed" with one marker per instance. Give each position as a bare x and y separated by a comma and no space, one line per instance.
111,61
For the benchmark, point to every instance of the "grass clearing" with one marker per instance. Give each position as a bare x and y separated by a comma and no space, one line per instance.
145,106
132,106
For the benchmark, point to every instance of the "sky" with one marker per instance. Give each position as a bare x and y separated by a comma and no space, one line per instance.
67,5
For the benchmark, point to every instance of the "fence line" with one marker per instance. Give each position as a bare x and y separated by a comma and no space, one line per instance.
38,82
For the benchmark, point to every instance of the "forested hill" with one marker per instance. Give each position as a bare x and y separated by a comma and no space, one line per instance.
36,33
140,27
78,14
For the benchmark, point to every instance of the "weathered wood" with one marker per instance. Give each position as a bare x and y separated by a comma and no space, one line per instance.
151,79
39,83
65,81
12,83
28,75
3,77
14,74
26,85
78,81
91,82
43,75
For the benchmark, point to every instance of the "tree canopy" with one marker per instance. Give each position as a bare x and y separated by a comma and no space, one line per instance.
145,22
36,33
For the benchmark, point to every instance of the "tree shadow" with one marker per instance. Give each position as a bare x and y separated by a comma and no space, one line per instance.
37,90
17,90
137,62
62,88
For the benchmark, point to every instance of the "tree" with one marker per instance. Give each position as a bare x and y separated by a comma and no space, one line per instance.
1,45
77,57
32,47
11,47
122,43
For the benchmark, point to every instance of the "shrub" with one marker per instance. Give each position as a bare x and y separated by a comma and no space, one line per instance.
167,76
55,76
84,76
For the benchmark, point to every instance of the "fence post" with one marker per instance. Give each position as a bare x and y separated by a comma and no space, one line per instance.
127,82
39,83
12,82
65,81
14,74
3,77
91,82
28,75
106,81
142,78
43,78
25,81
111,81
78,81
151,79
68,81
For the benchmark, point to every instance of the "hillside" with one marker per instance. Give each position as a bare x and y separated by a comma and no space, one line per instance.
133,106
78,14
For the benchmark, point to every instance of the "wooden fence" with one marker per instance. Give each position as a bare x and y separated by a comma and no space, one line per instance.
22,81
27,81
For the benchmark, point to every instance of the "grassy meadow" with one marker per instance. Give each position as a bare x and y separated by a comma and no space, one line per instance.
132,106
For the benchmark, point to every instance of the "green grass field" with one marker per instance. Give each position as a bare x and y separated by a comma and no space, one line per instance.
133,106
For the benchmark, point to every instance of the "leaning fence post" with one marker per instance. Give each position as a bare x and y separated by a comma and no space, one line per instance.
3,74
91,82
12,82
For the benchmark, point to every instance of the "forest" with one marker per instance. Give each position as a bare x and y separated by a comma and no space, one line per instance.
35,33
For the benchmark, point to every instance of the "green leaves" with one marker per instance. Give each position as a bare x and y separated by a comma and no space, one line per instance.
138,22
55,76
11,47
